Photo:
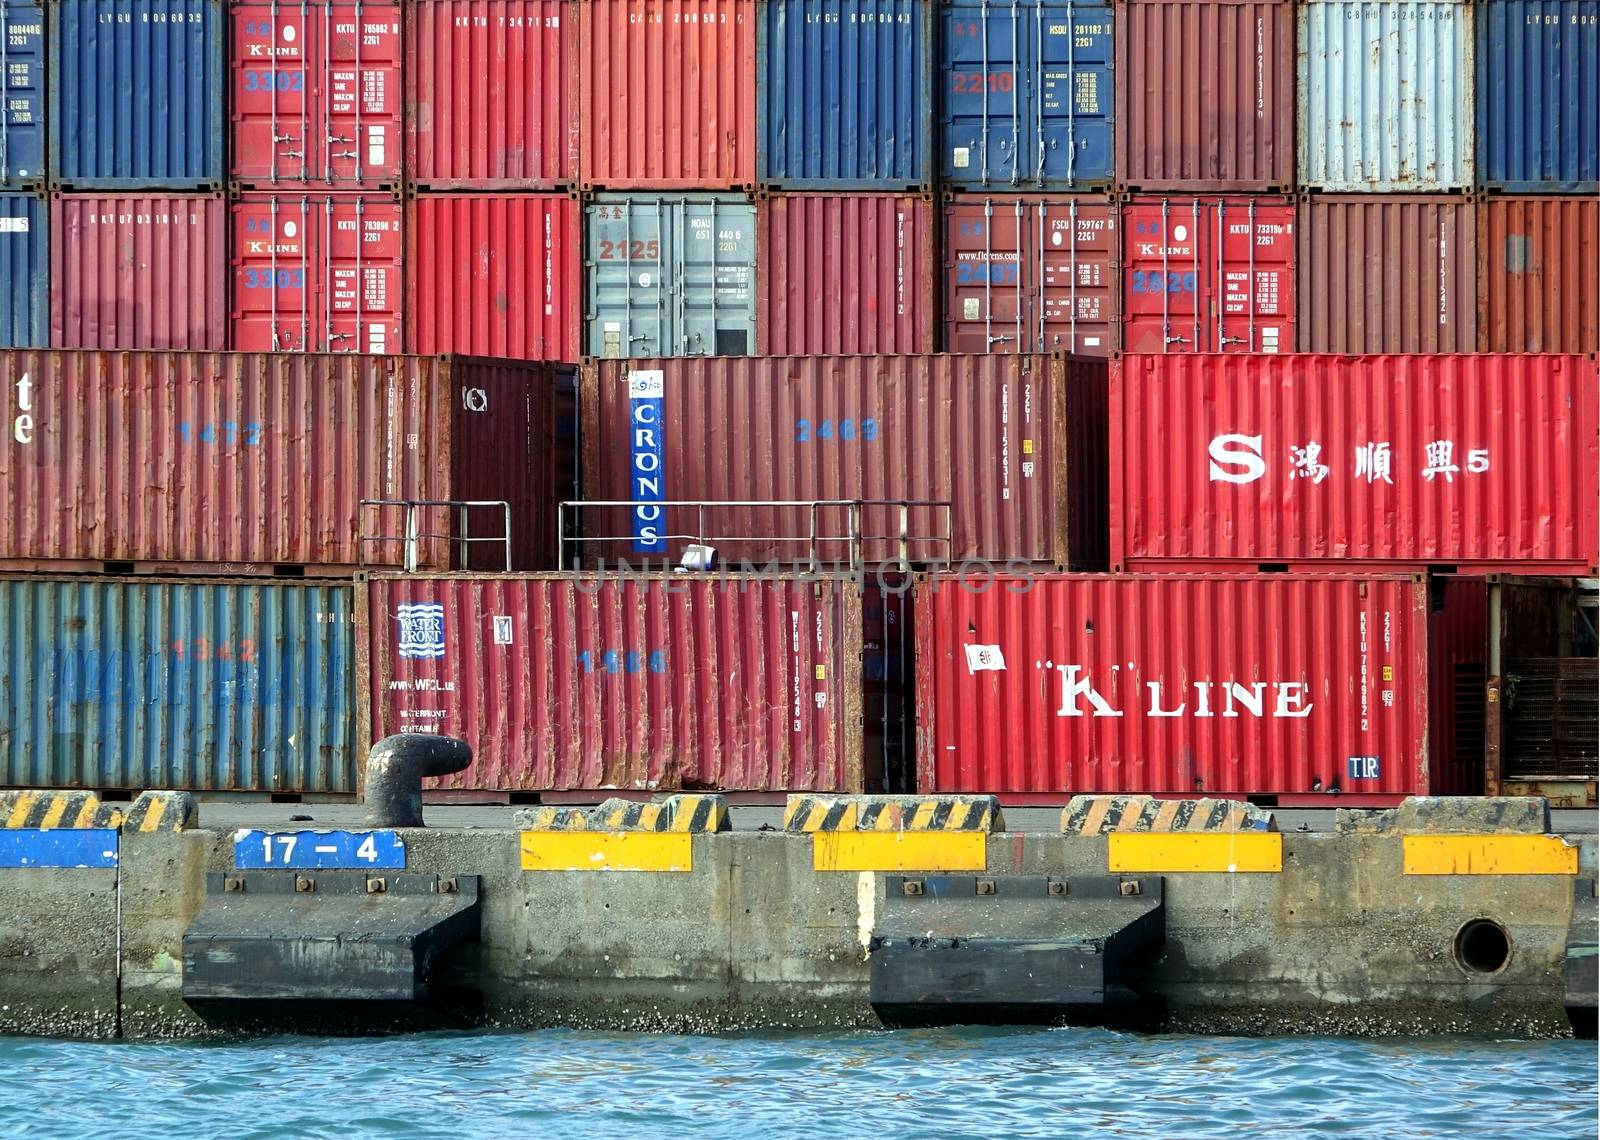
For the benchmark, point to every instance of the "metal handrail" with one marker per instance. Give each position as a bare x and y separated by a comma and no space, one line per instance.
412,536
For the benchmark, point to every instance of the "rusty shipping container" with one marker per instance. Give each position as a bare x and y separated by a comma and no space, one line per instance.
1205,95
245,462
1387,274
1014,444
668,94
1296,687
1475,462
492,94
844,274
1031,273
575,682
138,271
494,275
316,273
1208,275
1539,285
198,685
316,94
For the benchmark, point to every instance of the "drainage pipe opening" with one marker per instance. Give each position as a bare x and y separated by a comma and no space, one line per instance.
1482,947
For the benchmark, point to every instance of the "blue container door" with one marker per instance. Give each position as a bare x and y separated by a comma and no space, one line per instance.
1539,95
24,271
1026,95
844,94
22,116
136,94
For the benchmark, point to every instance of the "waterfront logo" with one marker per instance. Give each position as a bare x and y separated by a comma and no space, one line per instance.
647,478
1365,768
421,629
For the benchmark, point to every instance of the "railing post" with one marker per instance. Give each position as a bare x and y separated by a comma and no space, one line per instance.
465,546
854,516
410,558
505,509
905,523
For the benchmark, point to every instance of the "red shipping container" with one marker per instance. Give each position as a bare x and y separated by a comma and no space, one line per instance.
1208,275
137,271
1259,685
563,682
239,462
1015,445
492,94
494,275
844,273
316,93
1388,274
1205,94
1031,273
316,273
1487,462
668,95
1540,288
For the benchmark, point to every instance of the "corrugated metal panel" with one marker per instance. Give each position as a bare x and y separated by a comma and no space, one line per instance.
623,682
668,94
1539,290
1218,686
670,276
24,271
844,273
1014,443
1025,94
492,94
1539,95
1458,649
22,56
1381,274
1482,461
137,271
204,686
1031,273
845,94
1385,95
243,461
1208,275
316,273
1205,94
136,96
1551,718
494,275
316,93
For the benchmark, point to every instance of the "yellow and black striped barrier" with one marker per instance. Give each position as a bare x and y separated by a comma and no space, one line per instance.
1145,835
45,809
620,835
895,833
161,811
1106,815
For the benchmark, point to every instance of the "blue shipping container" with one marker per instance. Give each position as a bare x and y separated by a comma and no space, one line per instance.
844,94
1539,95
22,116
136,94
200,685
24,271
1026,94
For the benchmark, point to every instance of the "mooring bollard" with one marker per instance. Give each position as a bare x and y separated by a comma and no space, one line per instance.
396,767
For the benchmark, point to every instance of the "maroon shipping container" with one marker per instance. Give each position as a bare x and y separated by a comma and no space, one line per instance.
844,273
1540,286
668,94
1226,685
1031,273
1208,275
563,682
316,273
316,93
1015,445
239,463
1388,274
1205,94
492,94
494,275
1487,462
137,271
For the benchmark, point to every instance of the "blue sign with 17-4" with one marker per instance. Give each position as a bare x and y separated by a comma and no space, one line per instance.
318,850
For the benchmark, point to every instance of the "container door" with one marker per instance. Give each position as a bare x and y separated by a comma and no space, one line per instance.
713,269
273,275
24,272
1074,279
1071,138
988,100
625,268
1164,263
22,117
1250,296
361,253
988,307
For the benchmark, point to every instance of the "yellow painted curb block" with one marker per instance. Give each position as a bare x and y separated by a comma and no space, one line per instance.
607,851
1488,855
1227,853
899,851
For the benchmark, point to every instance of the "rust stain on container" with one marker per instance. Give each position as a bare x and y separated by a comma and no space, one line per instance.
1541,274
